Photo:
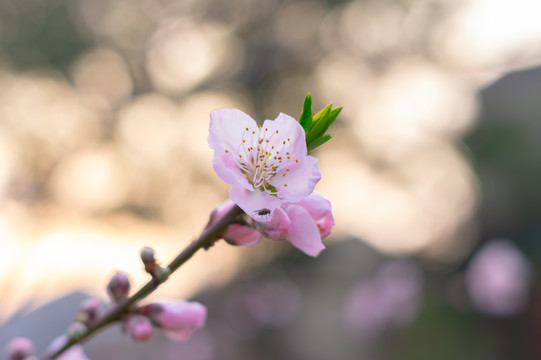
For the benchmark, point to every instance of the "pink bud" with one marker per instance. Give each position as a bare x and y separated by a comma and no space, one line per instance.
20,348
147,255
235,234
91,308
139,327
178,318
118,287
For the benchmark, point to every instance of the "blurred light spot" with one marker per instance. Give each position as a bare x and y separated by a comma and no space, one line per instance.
497,279
45,108
422,200
102,77
297,24
92,180
372,26
8,150
491,35
119,21
343,79
182,54
146,129
414,103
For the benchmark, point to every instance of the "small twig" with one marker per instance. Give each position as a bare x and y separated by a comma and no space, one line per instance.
205,240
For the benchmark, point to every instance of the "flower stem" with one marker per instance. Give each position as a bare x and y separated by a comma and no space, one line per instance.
206,239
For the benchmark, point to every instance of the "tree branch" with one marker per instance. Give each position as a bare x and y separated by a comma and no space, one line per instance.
207,237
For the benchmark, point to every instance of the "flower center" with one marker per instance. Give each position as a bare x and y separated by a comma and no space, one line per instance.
264,154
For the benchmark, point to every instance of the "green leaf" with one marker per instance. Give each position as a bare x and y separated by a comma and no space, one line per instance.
306,117
315,126
320,124
322,140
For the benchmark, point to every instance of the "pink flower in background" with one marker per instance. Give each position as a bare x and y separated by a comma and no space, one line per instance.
303,223
497,279
179,319
265,165
235,234
389,300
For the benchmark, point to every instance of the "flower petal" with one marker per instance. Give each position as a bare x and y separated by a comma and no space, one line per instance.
253,202
303,232
229,171
290,131
226,129
242,235
320,209
278,227
293,186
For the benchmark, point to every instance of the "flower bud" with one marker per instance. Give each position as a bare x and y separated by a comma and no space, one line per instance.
179,319
90,310
139,327
118,287
235,234
147,256
19,349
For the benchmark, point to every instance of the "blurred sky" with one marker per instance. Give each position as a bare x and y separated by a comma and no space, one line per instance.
104,117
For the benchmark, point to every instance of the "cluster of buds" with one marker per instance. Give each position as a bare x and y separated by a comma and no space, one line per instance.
177,318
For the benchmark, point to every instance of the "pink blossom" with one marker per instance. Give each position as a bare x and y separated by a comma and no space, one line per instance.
19,349
179,319
265,165
389,300
497,279
235,234
139,327
75,352
303,223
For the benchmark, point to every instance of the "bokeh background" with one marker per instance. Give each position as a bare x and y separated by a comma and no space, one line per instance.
433,172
